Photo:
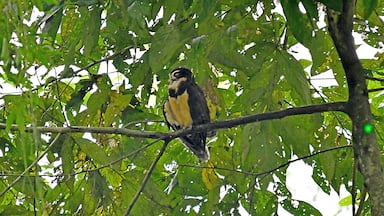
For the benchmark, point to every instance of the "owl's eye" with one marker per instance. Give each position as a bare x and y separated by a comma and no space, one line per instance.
175,75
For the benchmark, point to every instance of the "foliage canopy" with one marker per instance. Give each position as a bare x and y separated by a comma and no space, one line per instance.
106,63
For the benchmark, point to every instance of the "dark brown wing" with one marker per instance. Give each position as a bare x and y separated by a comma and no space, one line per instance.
198,105
200,114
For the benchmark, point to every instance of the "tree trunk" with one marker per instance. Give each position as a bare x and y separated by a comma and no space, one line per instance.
366,151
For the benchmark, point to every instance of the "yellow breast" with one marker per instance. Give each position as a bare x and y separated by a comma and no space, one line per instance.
179,110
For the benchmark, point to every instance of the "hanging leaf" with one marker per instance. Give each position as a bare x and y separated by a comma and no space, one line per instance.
364,8
299,24
210,178
91,31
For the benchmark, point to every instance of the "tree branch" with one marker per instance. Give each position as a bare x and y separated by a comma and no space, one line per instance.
107,58
375,90
85,129
379,79
146,178
273,169
190,165
326,107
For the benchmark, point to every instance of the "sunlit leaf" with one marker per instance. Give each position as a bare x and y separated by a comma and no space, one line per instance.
298,23
210,178
364,8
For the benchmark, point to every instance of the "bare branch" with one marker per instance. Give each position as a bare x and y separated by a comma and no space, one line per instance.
326,107
146,178
339,106
107,58
273,169
375,89
379,79
85,129
189,165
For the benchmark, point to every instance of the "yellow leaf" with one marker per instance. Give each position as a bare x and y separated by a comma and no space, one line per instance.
209,176
212,98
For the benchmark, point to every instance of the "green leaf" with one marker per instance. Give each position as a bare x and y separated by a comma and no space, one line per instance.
69,23
302,208
299,24
117,103
297,132
171,7
319,175
190,184
292,70
364,8
91,31
347,201
260,148
67,160
265,203
15,210
114,178
17,111
95,103
53,22
5,53
311,9
320,48
165,44
93,150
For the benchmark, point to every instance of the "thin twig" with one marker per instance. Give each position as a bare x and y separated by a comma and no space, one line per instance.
273,169
85,129
146,178
123,157
363,196
89,170
107,58
376,89
353,191
374,78
31,166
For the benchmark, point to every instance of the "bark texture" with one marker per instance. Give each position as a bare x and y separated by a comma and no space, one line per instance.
365,145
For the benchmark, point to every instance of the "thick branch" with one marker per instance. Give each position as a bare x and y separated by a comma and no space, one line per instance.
326,107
